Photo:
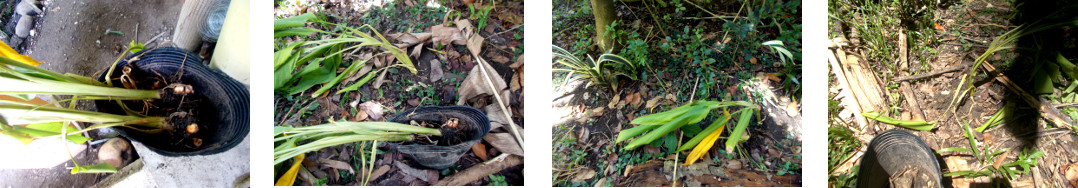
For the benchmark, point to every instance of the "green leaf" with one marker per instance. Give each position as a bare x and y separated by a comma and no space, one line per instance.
96,168
739,130
951,149
915,125
296,31
719,122
134,46
295,21
670,143
359,83
52,129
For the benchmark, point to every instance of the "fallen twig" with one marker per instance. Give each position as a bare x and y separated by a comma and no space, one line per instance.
481,171
905,87
931,74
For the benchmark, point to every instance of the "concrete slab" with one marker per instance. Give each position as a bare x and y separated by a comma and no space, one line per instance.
218,170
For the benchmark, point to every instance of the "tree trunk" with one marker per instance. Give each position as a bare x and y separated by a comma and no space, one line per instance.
604,14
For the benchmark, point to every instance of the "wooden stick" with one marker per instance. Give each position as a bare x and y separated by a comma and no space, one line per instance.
907,92
481,171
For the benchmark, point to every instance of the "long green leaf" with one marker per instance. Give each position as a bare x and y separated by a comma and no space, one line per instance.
295,21
742,124
719,122
915,125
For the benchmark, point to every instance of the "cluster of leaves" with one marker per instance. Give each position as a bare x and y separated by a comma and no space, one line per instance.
304,64
412,19
1026,159
497,180
482,14
23,79
603,72
659,125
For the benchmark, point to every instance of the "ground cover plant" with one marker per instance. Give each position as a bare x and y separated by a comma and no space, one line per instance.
987,84
617,66
343,69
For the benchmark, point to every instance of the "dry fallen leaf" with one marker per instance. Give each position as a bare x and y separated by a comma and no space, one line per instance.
381,170
1071,173
651,103
598,111
416,51
373,110
421,174
360,115
586,175
443,35
336,164
480,150
614,101
500,59
773,77
496,116
475,44
378,81
791,109
504,142
514,84
475,84
634,99
435,70
413,102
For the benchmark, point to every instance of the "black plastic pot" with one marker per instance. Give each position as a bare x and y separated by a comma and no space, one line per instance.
441,157
226,108
896,157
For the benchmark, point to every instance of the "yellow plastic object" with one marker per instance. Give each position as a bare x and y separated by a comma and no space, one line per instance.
233,52
8,52
290,177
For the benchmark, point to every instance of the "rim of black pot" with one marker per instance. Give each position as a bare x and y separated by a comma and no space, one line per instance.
225,95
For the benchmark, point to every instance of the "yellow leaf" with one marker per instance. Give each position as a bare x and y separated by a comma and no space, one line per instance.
289,177
706,144
8,52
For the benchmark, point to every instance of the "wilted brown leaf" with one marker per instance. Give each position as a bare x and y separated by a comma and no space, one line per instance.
586,175
373,110
418,173
480,150
475,84
444,35
496,116
336,164
475,44
378,81
651,103
773,77
504,142
435,70
500,59
598,111
614,101
1071,173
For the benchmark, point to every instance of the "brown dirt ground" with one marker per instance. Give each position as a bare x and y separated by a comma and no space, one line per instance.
1025,130
395,96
